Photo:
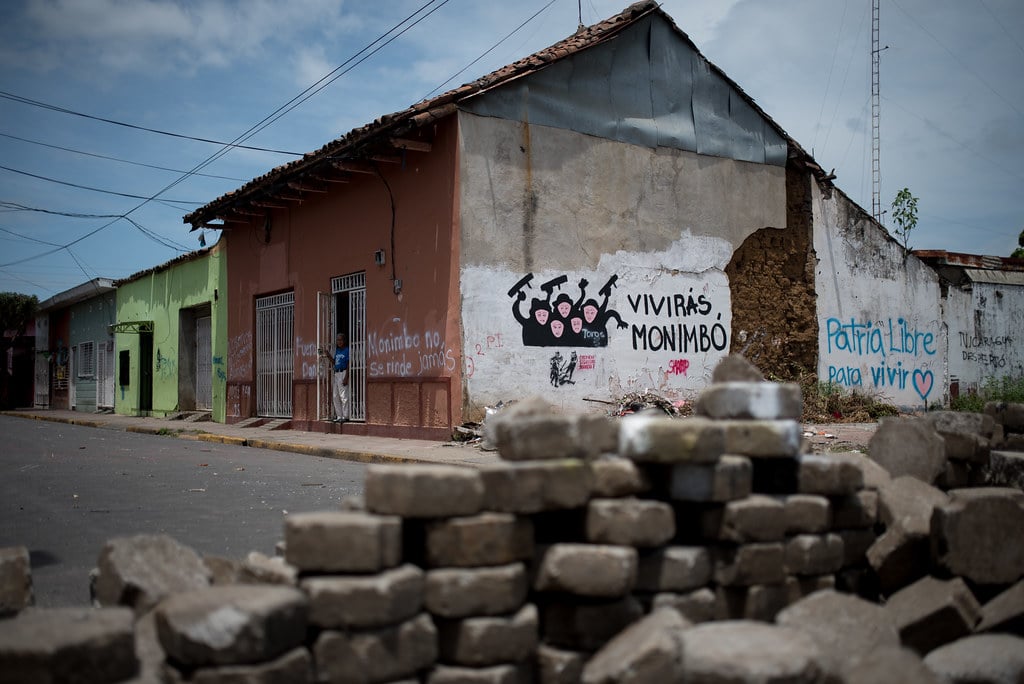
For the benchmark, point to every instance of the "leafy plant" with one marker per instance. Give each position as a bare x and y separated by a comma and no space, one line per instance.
826,402
904,215
1019,252
1006,389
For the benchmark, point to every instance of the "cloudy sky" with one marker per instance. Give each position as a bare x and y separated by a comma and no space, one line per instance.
952,104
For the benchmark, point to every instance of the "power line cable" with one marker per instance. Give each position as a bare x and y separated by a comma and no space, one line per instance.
253,129
14,206
490,49
828,80
64,110
28,237
115,159
1002,25
90,188
952,54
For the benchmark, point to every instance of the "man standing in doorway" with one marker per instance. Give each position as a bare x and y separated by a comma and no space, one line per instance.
341,379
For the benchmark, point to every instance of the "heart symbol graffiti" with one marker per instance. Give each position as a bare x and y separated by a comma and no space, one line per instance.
923,381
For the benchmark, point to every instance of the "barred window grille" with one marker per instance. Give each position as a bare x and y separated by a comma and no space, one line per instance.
86,362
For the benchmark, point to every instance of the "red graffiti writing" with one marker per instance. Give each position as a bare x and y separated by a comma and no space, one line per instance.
678,367
587,362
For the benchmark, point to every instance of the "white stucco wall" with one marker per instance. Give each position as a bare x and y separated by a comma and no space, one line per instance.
552,203
986,331
880,328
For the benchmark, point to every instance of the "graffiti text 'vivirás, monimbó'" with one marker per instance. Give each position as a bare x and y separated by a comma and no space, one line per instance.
678,336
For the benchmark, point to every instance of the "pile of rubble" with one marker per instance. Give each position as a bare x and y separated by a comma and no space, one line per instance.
646,549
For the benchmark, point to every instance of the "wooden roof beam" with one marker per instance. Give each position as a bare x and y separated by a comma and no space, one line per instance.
270,205
410,145
354,167
305,187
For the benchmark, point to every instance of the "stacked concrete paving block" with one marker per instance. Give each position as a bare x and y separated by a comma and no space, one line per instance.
710,548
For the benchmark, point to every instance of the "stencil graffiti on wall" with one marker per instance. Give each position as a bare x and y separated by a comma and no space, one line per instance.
562,369
556,320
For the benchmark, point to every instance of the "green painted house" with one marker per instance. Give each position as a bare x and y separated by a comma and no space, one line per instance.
171,337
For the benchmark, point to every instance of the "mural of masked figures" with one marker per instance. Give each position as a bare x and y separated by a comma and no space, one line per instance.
558,320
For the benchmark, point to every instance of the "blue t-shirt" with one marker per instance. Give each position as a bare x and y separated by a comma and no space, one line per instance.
340,359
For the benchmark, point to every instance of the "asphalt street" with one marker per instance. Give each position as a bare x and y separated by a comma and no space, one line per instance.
66,489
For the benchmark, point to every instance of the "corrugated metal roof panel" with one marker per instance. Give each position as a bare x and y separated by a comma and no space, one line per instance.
978,275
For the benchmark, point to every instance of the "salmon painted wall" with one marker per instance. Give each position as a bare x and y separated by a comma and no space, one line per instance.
412,338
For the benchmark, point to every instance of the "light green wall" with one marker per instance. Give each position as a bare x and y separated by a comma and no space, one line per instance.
158,297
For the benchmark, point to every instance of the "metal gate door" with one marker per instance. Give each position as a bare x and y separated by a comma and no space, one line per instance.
275,360
325,353
42,398
355,286
105,375
204,365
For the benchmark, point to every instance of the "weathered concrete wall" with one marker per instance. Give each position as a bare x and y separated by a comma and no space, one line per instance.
880,328
986,326
660,224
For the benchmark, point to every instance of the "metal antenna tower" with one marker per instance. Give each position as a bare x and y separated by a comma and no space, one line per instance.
876,167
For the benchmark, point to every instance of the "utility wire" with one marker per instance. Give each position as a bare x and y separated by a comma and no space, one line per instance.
65,110
115,159
284,109
490,49
14,206
90,188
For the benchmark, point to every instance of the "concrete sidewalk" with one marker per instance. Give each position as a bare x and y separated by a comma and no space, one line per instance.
363,449
345,447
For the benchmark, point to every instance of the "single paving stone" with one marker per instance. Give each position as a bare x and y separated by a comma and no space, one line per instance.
222,570
1004,469
558,666
630,522
728,478
889,665
756,518
82,645
742,651
490,640
899,558
649,650
295,666
458,592
531,430
496,674
845,627
674,569
423,491
909,446
1005,612
597,570
702,605
231,625
855,511
382,655
762,438
907,502
660,439
980,658
364,601
15,580
736,368
966,434
971,536
479,540
586,626
753,400
260,569
829,474
762,563
933,612
141,570
874,475
614,476
814,554
1009,415
806,513
342,541
535,486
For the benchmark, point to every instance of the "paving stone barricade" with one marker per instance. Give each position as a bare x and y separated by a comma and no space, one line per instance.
647,549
